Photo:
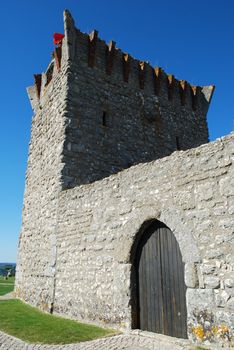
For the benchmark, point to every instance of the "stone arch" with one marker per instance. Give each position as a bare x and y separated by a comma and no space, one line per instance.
186,241
172,218
183,233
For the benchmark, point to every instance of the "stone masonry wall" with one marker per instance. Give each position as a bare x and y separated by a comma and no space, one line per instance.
98,111
37,245
123,111
192,192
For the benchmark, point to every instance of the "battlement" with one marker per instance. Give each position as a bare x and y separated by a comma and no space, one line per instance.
90,52
42,80
99,111
116,111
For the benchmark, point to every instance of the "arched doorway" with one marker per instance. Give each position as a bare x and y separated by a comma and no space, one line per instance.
159,289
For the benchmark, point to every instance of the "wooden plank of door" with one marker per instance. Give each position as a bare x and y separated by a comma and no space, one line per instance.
164,282
182,316
150,283
170,273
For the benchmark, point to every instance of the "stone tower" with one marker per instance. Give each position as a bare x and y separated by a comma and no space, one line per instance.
115,111
98,111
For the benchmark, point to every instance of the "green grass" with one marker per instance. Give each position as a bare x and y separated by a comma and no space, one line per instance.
6,286
6,289
34,326
10,280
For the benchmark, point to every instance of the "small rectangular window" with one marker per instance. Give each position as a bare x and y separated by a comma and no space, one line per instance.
178,144
104,118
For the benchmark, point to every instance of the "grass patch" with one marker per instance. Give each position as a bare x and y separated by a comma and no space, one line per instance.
10,280
4,289
31,325
6,286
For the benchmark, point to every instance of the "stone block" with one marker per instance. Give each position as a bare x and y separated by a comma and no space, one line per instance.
230,304
200,299
190,274
229,282
204,192
221,298
208,269
212,282
226,186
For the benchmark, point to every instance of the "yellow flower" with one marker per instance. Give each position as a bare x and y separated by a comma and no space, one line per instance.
215,329
198,331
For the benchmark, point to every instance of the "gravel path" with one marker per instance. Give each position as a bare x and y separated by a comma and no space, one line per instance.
134,340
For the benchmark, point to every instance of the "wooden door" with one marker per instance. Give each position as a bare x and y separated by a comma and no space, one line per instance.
160,283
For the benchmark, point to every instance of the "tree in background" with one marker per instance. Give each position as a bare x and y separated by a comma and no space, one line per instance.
7,271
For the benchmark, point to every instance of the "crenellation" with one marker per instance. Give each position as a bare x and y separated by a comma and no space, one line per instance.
183,88
207,92
110,56
49,73
83,49
157,75
170,86
148,81
93,40
69,42
142,73
80,48
137,79
38,82
134,78
58,57
195,91
126,66
106,59
101,57
180,96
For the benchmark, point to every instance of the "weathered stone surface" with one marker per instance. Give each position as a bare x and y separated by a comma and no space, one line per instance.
200,299
229,282
75,252
97,225
204,192
226,186
230,304
221,298
209,268
190,275
212,282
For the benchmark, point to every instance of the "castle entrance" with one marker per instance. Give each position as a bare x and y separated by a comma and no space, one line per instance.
160,287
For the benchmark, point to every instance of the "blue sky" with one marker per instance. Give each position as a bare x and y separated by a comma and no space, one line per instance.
191,39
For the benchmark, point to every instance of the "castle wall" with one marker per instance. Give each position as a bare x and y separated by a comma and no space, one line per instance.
37,245
192,193
124,111
99,111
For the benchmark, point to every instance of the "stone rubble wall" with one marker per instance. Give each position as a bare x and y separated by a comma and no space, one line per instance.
141,124
75,244
192,192
37,244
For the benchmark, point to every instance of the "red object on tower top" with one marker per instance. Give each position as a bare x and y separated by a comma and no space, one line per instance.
58,38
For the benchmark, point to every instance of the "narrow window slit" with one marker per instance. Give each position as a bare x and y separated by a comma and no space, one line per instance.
104,118
178,144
